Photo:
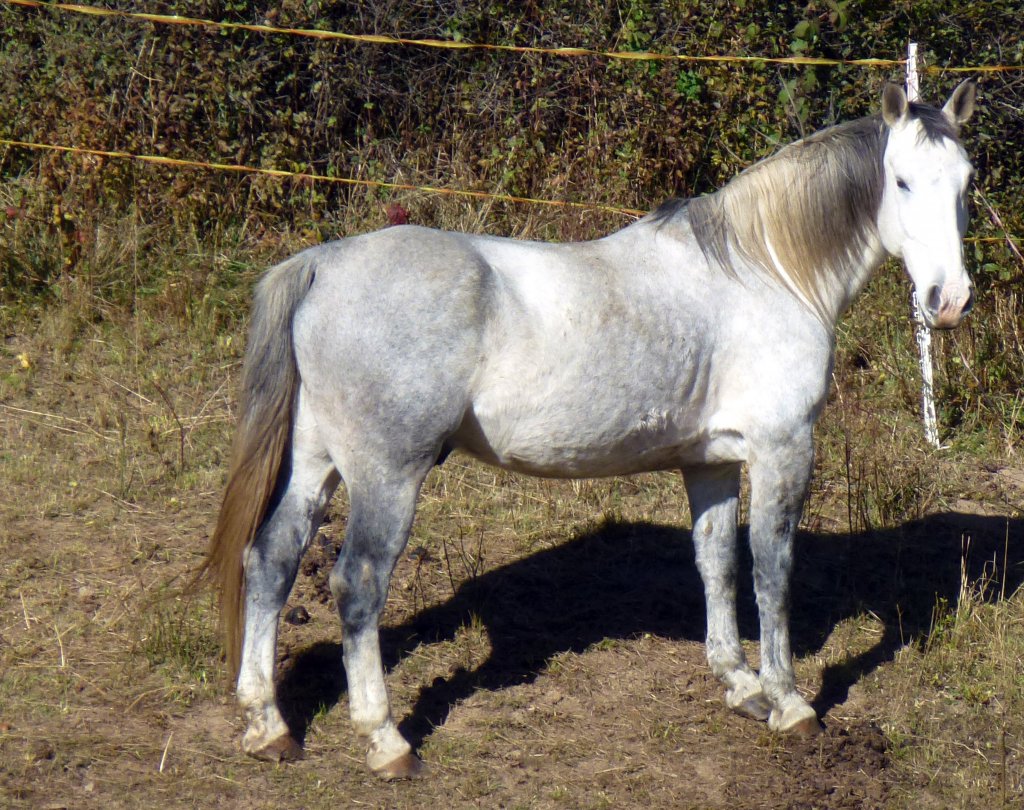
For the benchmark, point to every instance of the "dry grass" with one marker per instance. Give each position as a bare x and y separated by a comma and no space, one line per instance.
957,700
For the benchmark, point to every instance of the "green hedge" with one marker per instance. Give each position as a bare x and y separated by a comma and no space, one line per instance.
586,128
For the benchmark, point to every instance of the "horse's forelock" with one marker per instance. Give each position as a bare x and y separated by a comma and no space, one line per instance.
935,124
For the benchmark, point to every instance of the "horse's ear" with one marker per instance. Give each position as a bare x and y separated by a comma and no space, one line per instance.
895,106
960,106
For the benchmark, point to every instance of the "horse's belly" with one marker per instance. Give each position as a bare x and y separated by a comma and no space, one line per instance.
568,445
584,402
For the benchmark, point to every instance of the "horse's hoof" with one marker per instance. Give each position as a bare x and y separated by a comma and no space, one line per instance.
407,766
283,749
756,708
799,720
808,727
748,700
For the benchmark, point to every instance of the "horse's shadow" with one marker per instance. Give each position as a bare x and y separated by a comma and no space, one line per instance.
625,579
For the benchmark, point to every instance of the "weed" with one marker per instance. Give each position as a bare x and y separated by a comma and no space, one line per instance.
175,637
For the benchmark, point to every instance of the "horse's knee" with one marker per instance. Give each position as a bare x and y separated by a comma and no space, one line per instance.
268,576
357,590
340,589
272,561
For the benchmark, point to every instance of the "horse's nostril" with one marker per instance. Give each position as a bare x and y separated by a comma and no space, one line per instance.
934,299
970,301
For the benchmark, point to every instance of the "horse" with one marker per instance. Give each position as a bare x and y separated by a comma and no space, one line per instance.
699,338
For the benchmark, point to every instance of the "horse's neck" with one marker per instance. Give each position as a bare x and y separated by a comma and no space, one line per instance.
837,285
840,287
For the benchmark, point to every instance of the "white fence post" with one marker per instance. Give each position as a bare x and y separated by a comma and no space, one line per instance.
923,333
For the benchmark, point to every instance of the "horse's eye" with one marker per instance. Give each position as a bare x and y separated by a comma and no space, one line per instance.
901,183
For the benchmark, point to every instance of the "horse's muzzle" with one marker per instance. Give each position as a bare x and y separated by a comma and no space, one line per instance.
944,307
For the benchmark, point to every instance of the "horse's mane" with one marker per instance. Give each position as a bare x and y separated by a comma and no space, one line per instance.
805,215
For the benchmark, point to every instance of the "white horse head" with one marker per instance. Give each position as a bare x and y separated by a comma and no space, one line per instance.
923,215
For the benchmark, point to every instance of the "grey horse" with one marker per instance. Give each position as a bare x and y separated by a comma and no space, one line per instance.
698,338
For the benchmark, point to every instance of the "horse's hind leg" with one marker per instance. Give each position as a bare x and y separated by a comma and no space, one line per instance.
714,495
381,514
306,484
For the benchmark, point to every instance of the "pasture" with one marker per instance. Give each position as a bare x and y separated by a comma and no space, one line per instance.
543,640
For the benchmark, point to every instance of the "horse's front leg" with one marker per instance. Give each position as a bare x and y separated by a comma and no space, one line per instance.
713,493
779,477
378,527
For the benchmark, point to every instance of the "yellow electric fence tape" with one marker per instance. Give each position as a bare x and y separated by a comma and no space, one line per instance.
227,167
479,195
378,39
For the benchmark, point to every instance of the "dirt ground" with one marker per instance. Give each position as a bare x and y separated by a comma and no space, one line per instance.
543,639
507,712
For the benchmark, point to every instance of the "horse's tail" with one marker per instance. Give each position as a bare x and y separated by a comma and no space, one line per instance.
270,380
